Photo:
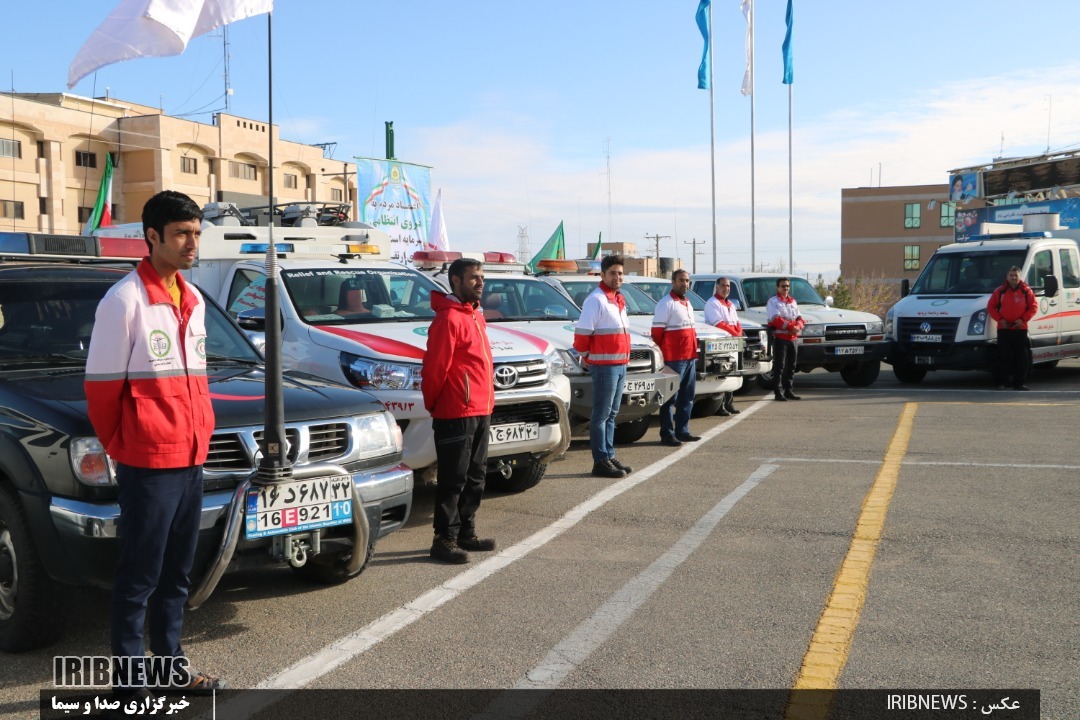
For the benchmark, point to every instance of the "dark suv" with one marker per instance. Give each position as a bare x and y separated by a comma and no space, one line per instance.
58,510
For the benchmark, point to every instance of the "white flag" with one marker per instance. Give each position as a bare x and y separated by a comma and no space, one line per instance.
437,238
747,7
156,28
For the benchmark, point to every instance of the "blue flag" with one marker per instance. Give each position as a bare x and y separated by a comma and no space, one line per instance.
789,61
703,12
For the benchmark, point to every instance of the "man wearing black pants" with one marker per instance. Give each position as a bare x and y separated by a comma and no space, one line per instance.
459,392
1012,305
783,317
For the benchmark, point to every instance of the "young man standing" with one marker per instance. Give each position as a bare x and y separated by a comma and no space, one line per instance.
459,392
1012,305
602,339
673,330
148,399
720,313
783,317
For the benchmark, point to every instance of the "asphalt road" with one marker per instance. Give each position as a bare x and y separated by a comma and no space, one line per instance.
729,563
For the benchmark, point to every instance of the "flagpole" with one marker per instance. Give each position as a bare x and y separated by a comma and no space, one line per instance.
274,465
790,194
753,201
712,142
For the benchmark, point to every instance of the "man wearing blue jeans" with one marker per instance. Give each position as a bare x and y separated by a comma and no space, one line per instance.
673,330
602,339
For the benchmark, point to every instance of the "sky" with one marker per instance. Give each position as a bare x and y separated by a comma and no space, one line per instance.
587,112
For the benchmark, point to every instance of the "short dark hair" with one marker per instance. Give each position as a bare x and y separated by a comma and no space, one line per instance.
166,207
782,279
677,273
1016,268
721,279
458,268
610,260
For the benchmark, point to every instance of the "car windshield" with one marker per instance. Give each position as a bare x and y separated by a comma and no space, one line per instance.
637,302
759,290
344,296
511,298
963,273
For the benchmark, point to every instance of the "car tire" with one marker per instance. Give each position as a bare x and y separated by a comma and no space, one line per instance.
767,381
523,478
329,568
29,598
707,406
861,374
630,432
909,374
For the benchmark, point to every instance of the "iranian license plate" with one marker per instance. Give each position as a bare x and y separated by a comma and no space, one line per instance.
638,386
514,432
750,364
857,350
926,338
716,346
298,506
924,359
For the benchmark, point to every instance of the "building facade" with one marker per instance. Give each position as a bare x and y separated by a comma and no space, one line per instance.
53,155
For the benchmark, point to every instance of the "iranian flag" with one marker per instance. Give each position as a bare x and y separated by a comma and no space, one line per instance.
102,215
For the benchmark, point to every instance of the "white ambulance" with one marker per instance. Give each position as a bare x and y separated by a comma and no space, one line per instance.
942,322
520,303
350,314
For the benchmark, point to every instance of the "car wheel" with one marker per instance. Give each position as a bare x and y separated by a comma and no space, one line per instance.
909,373
630,432
707,406
523,478
29,598
862,374
767,380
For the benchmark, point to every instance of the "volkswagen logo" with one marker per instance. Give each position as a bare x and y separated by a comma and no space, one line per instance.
924,328
506,377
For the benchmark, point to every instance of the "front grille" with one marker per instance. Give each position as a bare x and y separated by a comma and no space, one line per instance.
532,372
541,411
227,454
328,441
945,327
292,439
641,361
236,451
834,333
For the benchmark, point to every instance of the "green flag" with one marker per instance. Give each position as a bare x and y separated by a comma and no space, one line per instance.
554,249
596,252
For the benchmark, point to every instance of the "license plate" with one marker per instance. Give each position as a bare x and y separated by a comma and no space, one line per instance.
924,360
750,364
298,506
513,432
857,350
926,338
717,346
639,386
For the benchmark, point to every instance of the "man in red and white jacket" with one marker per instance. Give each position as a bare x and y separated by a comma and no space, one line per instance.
459,392
149,402
673,330
1012,306
720,313
602,340
783,317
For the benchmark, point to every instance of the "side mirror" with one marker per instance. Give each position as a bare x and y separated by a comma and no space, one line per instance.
252,319
828,301
905,287
735,303
1050,285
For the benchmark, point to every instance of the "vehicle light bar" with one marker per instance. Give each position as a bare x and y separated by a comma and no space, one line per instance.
363,249
119,247
70,247
1030,235
557,266
261,248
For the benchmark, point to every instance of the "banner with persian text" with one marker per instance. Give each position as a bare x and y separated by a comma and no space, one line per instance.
395,197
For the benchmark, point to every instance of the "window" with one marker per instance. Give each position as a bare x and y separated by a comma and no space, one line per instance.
12,209
41,148
244,171
189,165
912,217
1042,266
948,215
11,148
1069,278
42,204
337,195
85,159
911,257
85,213
290,181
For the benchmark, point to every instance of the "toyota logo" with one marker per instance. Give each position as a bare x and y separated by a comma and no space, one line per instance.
506,377
924,328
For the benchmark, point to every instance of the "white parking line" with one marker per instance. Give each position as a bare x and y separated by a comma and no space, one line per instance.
314,666
834,461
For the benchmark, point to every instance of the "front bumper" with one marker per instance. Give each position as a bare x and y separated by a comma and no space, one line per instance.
635,404
813,354
974,355
87,532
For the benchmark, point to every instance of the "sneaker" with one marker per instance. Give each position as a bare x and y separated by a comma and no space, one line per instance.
447,550
471,542
688,438
669,441
606,469
625,468
201,684
791,396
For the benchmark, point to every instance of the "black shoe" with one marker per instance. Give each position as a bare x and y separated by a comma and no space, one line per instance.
471,542
778,396
625,468
723,412
687,438
1021,387
669,441
791,396
447,550
730,407
606,469
1001,387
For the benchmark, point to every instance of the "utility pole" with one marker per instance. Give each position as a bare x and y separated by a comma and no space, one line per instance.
656,239
694,253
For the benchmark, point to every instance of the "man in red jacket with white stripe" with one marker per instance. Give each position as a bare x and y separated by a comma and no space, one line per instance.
720,313
673,330
1012,305
459,391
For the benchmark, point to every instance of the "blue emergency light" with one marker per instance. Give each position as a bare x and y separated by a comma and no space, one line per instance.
261,248
1032,235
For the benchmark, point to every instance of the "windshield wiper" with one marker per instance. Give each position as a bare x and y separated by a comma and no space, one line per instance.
212,358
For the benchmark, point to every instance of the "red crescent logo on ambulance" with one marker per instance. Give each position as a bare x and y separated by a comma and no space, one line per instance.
379,344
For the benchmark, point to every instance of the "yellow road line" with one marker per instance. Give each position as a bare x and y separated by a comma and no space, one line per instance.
831,642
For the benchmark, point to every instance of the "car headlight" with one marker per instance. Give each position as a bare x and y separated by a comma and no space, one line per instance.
875,328
977,324
816,330
569,362
90,463
370,374
377,434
